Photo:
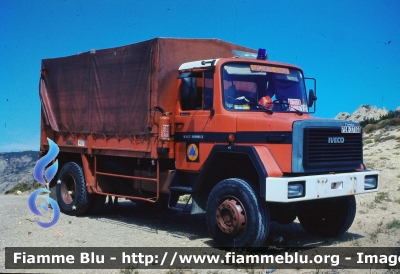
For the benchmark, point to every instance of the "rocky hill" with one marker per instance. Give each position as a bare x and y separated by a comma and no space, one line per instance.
365,112
16,167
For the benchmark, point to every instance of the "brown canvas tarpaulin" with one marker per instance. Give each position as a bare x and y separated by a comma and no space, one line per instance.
112,91
106,91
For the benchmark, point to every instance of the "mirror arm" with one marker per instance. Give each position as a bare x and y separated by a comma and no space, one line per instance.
212,112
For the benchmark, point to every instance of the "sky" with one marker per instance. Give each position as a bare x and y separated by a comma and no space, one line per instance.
352,48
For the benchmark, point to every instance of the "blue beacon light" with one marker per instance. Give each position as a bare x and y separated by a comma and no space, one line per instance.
262,54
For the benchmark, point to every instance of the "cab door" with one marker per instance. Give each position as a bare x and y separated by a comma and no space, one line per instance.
194,124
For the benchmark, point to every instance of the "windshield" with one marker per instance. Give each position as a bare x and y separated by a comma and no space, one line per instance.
259,87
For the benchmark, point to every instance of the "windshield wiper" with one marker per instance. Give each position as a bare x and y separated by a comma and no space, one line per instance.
265,109
262,107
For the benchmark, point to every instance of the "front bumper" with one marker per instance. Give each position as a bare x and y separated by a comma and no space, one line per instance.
319,186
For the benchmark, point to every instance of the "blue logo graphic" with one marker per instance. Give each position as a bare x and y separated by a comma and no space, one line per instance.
49,173
44,161
35,210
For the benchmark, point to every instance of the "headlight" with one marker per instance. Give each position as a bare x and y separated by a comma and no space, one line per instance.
370,182
296,189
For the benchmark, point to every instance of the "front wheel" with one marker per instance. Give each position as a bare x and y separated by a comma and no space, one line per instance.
236,217
72,195
328,217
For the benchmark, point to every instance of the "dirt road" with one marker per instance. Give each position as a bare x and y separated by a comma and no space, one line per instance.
126,226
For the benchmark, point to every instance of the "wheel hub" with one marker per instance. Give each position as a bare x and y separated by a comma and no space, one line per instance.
68,189
231,216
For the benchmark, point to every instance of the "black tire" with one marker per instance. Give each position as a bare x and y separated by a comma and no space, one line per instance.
72,195
328,217
237,196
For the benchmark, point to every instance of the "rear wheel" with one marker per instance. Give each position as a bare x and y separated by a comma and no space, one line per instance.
328,217
236,217
72,195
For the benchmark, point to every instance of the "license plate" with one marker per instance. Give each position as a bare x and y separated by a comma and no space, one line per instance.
351,129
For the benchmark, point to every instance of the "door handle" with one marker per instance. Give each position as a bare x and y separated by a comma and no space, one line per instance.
179,124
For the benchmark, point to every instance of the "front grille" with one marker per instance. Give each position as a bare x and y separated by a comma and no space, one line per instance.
324,147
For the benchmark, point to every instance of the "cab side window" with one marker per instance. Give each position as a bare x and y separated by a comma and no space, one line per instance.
208,89
196,91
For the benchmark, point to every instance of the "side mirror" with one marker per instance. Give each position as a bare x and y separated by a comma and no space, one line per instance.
311,98
312,93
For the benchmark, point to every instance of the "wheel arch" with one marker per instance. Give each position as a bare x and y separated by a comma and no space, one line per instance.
226,162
